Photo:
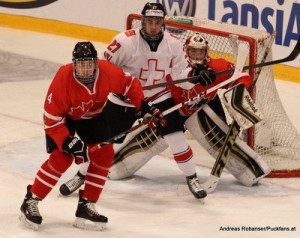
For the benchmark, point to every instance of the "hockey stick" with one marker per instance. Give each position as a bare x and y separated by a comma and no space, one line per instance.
234,129
142,123
293,55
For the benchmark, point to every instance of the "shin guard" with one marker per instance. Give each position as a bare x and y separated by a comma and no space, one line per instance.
210,132
138,148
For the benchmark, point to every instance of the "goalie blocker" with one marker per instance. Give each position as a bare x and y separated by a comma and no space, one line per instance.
238,105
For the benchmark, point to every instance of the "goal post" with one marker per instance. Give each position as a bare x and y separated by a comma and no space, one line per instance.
275,138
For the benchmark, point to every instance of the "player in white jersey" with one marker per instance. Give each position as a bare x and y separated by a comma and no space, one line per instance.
148,57
150,54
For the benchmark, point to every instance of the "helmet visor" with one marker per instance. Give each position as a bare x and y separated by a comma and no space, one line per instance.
196,55
85,69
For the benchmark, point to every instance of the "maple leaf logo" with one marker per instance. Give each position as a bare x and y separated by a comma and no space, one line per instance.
82,109
187,94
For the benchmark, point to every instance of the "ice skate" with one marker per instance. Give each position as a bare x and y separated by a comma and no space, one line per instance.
30,215
87,216
195,187
72,185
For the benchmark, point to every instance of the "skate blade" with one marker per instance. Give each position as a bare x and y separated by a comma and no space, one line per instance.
89,225
29,224
201,200
210,184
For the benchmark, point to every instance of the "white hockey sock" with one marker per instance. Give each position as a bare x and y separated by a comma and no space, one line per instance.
183,154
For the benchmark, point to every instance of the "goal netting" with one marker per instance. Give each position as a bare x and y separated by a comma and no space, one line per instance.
275,138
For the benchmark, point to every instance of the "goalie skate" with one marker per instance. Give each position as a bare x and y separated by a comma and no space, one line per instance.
87,216
72,185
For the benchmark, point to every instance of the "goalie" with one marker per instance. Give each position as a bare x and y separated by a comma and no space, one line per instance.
205,119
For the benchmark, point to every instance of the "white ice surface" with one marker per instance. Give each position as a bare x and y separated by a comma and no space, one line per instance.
155,202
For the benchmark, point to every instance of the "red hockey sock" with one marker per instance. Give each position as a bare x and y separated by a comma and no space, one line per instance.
97,172
50,172
183,156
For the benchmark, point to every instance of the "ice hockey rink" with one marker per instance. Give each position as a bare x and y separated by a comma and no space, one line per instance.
155,202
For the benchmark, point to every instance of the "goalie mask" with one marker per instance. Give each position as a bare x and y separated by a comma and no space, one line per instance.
153,25
196,48
85,62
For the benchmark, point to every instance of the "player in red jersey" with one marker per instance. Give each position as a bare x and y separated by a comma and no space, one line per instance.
82,111
150,53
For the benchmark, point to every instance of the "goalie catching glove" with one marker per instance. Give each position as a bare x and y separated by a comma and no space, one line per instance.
207,76
148,107
77,148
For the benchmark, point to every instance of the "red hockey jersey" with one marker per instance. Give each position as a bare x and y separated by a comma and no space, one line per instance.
66,96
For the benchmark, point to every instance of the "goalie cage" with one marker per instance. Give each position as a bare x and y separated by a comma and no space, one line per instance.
275,138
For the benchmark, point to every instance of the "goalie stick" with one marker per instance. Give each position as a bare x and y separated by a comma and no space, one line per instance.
293,55
234,129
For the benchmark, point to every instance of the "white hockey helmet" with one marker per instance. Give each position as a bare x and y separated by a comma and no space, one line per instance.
194,43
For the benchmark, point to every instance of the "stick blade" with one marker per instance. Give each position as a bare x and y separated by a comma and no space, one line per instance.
211,183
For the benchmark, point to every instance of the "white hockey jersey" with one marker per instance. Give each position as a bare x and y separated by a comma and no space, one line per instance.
132,53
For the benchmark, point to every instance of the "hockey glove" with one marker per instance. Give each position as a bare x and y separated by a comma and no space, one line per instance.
148,107
206,75
77,148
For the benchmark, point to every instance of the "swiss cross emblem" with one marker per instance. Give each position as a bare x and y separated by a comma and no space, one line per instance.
152,67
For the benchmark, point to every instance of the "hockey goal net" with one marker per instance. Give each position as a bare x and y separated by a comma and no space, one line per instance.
275,138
